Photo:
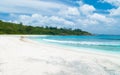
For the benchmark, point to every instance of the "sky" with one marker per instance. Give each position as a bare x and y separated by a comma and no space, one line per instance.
95,16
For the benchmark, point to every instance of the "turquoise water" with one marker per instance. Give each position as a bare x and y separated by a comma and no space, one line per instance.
108,43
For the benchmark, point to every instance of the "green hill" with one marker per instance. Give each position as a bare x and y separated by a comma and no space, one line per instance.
12,28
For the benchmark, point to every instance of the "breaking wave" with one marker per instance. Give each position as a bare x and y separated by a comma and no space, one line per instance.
96,43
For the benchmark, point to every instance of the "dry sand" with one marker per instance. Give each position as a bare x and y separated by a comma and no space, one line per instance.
26,57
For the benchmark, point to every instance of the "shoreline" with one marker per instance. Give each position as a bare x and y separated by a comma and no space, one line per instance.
87,50
28,57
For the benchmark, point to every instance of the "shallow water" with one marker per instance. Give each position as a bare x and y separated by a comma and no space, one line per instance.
107,43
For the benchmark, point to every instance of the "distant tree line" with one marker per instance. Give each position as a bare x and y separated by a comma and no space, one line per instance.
12,28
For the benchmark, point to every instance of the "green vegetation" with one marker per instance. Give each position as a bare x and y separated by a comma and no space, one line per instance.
12,28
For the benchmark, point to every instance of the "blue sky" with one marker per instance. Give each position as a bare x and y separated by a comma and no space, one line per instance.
95,16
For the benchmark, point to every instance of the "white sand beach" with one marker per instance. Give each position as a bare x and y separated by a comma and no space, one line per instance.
27,57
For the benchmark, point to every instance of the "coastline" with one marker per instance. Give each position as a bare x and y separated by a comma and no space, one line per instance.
28,57
69,48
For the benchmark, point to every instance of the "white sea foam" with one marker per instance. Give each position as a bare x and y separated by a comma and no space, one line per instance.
85,42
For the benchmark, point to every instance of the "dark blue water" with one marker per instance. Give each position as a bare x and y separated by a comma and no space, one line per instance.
109,43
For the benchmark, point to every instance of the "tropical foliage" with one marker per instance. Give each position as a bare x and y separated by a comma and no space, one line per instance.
12,28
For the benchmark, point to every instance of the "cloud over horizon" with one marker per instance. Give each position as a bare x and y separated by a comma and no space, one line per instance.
64,13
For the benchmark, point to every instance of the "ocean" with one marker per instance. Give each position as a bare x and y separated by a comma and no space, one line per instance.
101,43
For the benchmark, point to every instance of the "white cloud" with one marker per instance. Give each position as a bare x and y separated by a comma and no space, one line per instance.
29,6
101,18
40,20
74,17
115,12
69,12
72,11
80,2
113,2
86,22
59,20
87,9
79,15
